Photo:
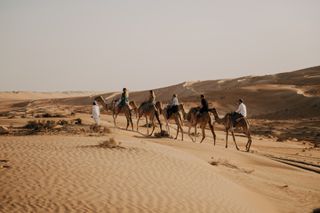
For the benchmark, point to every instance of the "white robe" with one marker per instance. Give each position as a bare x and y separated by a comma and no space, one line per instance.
96,114
242,109
174,102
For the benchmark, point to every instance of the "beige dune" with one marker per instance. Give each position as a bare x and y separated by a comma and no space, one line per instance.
58,174
71,173
66,171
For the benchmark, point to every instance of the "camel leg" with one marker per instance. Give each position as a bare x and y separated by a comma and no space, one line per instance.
203,133
227,132
167,125
130,120
234,140
131,123
138,123
153,127
158,119
127,124
189,130
249,142
181,121
115,120
177,133
213,133
195,132
147,125
180,126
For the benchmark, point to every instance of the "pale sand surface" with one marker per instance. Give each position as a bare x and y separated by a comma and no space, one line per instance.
72,174
69,174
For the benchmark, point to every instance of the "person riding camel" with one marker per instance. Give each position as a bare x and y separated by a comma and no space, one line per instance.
124,100
240,113
204,105
152,97
173,106
151,102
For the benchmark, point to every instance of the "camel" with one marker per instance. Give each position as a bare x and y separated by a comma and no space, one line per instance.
242,124
146,110
116,110
134,107
175,116
203,119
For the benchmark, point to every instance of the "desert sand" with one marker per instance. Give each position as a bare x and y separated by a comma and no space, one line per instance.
65,168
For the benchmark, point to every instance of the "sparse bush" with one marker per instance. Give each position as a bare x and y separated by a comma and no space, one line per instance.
111,143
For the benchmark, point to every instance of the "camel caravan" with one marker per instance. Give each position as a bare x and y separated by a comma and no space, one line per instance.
151,110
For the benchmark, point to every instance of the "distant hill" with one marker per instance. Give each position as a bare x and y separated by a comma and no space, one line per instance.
281,96
291,95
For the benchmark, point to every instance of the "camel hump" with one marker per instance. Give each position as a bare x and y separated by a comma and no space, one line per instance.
146,106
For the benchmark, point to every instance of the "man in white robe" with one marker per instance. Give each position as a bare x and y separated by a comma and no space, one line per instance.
96,113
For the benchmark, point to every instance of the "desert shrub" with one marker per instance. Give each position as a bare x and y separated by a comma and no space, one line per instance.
40,125
111,143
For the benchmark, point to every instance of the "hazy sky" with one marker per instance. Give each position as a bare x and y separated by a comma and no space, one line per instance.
141,44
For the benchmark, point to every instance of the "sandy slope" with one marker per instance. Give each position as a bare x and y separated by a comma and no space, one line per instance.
58,174
70,173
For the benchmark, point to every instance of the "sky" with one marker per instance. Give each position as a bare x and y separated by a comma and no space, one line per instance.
105,45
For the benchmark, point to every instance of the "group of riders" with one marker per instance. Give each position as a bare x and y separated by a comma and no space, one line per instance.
173,106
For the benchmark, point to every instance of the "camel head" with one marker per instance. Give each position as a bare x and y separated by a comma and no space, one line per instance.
101,101
98,99
213,110
216,116
133,105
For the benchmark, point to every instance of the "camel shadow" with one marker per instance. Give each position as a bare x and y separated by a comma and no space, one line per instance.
122,128
143,136
102,147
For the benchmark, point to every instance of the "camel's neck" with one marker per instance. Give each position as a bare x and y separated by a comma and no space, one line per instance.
101,101
183,111
217,118
134,106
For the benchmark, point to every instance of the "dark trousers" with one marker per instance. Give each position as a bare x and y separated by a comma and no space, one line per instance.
203,110
171,110
234,117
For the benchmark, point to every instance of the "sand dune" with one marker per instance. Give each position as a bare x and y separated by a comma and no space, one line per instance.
72,174
63,169
26,95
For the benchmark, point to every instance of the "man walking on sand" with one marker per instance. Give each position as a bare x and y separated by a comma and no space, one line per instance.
96,113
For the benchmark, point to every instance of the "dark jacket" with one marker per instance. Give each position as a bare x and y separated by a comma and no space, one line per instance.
124,99
204,105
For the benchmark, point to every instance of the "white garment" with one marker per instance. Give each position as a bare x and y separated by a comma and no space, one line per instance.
97,120
96,113
174,101
242,109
